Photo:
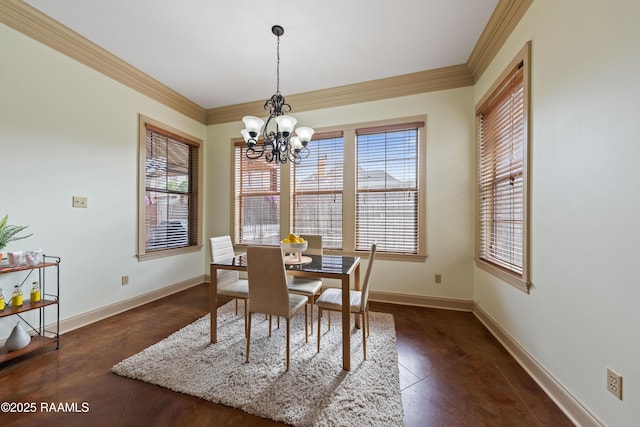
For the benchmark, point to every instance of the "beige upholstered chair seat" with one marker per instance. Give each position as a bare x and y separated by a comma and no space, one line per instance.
331,299
305,287
238,289
296,302
309,288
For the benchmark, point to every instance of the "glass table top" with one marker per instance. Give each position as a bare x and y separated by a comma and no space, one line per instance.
325,264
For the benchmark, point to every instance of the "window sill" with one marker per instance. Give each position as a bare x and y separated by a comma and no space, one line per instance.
168,252
379,255
504,274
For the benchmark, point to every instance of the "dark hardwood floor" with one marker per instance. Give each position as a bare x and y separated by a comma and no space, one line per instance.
452,373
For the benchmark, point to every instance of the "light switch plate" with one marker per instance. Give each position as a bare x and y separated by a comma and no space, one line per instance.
79,202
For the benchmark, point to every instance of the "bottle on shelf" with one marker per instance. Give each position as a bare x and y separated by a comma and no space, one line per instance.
35,292
1,300
16,297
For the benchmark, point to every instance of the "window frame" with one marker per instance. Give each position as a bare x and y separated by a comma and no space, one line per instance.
195,213
349,192
520,280
239,147
388,131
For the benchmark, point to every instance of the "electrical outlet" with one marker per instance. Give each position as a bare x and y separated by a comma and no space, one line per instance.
614,383
125,280
79,202
438,278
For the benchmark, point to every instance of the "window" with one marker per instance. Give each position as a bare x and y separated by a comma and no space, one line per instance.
170,191
361,183
257,199
502,144
387,188
317,190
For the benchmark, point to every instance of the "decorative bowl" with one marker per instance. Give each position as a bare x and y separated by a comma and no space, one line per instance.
290,248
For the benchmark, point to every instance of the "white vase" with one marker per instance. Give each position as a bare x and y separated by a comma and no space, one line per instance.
15,258
33,257
18,339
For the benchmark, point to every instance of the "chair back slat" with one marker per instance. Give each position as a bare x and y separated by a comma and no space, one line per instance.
267,281
367,276
221,249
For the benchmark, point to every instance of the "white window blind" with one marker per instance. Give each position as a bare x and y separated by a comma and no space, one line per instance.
387,187
171,168
257,199
501,179
317,190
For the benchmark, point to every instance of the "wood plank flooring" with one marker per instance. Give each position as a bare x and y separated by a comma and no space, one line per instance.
452,373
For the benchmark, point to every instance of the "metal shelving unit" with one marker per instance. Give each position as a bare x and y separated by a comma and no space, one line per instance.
40,335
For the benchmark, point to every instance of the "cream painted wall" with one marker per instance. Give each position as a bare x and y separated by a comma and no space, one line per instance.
581,315
449,191
67,130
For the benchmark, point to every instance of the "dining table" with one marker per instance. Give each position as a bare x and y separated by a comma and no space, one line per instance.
346,269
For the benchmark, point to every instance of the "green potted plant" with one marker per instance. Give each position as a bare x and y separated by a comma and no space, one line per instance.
9,233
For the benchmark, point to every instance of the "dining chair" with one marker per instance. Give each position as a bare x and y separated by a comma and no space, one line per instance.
314,246
311,288
268,293
229,282
331,300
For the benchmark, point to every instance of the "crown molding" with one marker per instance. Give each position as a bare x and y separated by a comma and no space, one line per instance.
31,22
407,84
502,22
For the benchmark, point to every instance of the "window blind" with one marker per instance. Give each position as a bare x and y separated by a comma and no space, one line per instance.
171,165
387,187
257,199
317,190
501,195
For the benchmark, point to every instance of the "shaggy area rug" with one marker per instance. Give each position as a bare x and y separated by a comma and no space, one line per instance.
316,391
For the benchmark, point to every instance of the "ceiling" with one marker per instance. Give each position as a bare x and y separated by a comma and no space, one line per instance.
221,53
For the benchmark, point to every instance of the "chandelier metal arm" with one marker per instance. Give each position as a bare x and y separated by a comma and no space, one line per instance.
276,105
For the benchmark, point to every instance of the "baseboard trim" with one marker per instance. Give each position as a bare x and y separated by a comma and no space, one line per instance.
575,410
93,316
421,301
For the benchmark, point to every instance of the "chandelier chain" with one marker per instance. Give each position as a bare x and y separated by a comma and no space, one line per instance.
278,67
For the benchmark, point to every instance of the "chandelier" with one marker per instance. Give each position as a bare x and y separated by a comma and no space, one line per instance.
278,144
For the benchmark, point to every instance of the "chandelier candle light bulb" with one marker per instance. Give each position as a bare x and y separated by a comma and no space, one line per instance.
286,124
253,126
304,134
